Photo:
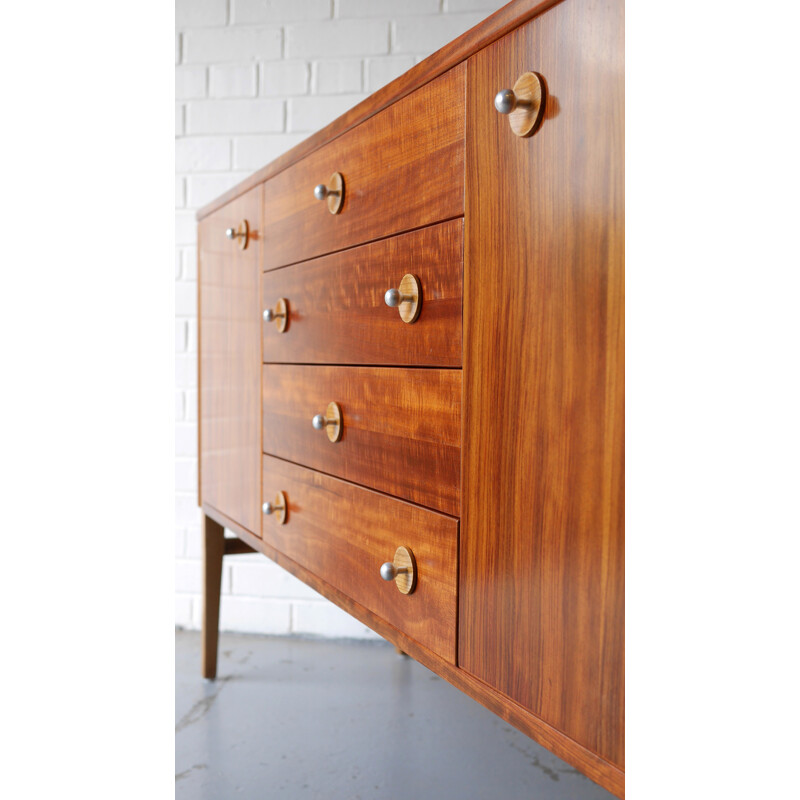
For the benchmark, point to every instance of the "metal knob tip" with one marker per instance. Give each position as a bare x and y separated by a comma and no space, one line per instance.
268,508
388,571
320,191
318,421
269,315
392,298
230,233
505,101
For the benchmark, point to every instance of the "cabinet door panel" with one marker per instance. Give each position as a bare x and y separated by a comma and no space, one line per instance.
230,355
541,614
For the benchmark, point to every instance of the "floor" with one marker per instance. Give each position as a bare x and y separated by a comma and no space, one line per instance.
299,718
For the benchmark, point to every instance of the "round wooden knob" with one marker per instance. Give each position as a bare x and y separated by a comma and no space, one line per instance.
279,314
402,570
330,422
279,507
242,233
524,103
407,299
333,191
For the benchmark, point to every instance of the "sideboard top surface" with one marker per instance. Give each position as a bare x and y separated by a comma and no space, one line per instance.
484,33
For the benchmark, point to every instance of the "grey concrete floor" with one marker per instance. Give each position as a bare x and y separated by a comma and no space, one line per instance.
298,718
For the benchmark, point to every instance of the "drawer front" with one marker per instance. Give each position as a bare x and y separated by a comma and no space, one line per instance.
343,534
234,215
229,357
337,312
402,169
401,428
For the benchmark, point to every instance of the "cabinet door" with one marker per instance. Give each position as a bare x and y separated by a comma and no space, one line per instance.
541,614
230,362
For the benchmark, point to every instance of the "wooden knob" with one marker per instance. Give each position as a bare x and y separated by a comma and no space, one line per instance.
330,422
333,192
279,315
402,570
279,507
524,103
407,299
242,233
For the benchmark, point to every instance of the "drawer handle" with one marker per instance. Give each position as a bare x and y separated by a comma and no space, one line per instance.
333,191
407,299
330,422
280,507
524,103
279,314
403,570
242,233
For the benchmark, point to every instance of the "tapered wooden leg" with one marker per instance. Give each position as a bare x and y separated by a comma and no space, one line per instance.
213,550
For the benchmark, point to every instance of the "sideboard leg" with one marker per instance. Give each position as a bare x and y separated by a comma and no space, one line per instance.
213,550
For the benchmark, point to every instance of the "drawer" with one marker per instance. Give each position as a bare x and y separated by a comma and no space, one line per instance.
402,169
240,215
343,534
400,431
337,312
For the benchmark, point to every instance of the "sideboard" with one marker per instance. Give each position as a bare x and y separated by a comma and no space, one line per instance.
411,371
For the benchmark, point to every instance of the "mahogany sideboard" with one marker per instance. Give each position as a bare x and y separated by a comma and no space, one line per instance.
411,371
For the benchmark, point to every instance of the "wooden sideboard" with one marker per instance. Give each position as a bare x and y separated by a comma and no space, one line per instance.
474,416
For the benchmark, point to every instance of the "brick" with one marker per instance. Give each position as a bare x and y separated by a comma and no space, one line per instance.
180,405
263,578
194,542
489,6
183,611
202,154
180,335
189,263
180,542
190,82
349,37
253,152
430,33
386,8
191,335
326,619
186,475
337,77
190,405
186,371
186,445
284,78
189,577
380,71
201,189
199,13
234,116
185,299
232,80
231,44
250,615
180,192
185,227
311,113
187,512
279,11
177,263
179,115
177,48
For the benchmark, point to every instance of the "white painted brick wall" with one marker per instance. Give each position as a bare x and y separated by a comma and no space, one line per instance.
253,78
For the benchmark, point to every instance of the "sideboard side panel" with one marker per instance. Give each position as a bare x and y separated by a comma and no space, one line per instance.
541,598
230,363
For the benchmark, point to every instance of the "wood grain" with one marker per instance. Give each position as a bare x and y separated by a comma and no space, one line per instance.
452,54
541,615
345,533
401,427
229,318
338,314
213,551
521,718
402,169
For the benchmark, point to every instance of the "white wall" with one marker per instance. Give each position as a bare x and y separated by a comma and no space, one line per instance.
252,79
